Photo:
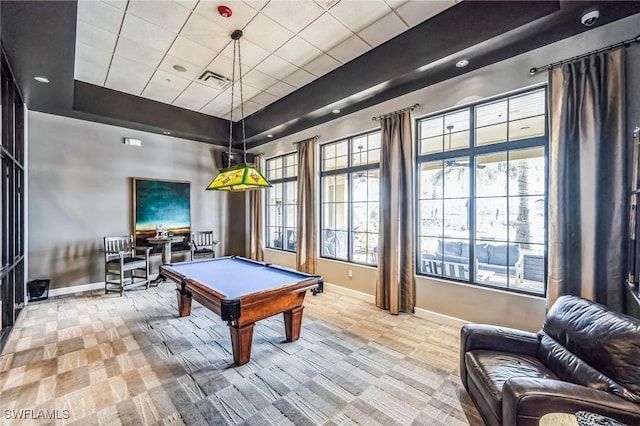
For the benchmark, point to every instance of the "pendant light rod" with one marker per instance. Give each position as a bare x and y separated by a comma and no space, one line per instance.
243,177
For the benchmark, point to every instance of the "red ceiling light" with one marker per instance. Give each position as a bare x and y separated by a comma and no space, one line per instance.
225,11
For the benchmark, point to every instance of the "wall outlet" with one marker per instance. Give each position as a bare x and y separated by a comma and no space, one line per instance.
350,273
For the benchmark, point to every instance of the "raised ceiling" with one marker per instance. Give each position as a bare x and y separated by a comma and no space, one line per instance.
180,53
109,65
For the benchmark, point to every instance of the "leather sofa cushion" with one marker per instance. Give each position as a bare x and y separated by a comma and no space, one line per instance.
489,371
607,341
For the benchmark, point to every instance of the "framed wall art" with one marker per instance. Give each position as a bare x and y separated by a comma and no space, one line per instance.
161,203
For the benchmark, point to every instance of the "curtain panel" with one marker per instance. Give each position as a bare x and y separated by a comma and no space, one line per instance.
255,206
395,286
588,176
306,217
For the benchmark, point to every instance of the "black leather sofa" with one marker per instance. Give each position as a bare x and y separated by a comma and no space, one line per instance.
585,358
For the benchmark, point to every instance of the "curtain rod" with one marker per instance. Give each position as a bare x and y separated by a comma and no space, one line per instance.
625,43
410,108
313,138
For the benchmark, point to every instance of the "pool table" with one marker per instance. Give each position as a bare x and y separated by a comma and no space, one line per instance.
243,291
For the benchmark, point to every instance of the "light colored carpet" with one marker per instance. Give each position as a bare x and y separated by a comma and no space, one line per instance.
109,360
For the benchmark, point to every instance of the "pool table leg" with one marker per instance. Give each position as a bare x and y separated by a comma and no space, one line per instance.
184,302
292,322
241,338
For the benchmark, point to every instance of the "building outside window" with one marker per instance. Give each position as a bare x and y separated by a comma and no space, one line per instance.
482,197
281,202
350,172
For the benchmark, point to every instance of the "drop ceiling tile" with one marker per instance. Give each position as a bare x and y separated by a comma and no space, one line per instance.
249,108
242,14
293,15
190,51
93,36
224,66
322,65
258,79
138,52
326,4
101,15
266,33
146,33
276,67
160,92
189,4
257,4
299,78
280,89
90,72
298,51
251,54
349,49
264,98
91,55
325,32
192,71
206,33
383,30
357,15
394,4
415,12
219,106
170,81
136,70
120,4
166,14
125,82
196,96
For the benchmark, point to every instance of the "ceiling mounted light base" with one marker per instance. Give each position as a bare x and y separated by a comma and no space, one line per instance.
243,177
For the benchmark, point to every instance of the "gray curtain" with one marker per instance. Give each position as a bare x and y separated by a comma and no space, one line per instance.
306,218
395,287
588,199
255,204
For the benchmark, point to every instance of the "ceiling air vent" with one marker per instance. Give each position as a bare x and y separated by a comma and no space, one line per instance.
214,79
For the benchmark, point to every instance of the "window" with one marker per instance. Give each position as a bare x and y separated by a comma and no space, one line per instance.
482,178
282,199
350,172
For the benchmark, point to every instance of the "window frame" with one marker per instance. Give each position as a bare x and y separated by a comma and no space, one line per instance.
282,180
349,171
471,153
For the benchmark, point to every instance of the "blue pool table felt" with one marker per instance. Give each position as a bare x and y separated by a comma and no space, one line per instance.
237,277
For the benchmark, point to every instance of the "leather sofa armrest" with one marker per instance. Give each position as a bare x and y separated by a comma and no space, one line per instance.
503,339
525,400
491,337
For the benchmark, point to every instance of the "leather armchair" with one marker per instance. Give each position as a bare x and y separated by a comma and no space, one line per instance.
584,358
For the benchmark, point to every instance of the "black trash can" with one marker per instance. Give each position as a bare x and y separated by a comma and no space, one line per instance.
38,290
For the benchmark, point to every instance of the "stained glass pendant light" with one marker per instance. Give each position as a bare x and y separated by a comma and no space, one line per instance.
245,176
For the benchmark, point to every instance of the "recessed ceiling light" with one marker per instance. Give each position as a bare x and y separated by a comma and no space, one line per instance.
336,111
462,63
41,79
166,133
269,135
179,68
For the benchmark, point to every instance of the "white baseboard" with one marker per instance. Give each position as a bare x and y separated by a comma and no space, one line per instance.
353,293
419,312
75,289
439,318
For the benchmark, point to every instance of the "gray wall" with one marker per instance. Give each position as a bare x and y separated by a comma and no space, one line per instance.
466,302
80,191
